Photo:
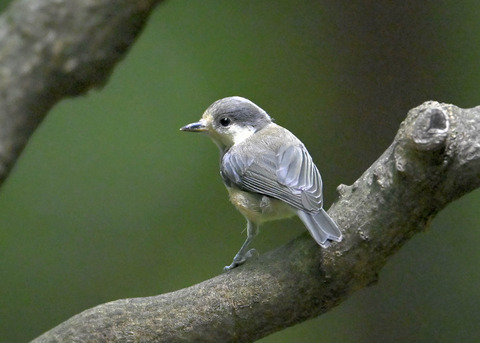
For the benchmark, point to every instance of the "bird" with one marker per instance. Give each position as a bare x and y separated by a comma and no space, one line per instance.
267,171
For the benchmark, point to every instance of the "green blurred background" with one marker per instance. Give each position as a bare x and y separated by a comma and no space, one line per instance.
109,200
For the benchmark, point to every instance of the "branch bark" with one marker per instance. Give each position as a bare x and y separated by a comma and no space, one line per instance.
54,49
434,159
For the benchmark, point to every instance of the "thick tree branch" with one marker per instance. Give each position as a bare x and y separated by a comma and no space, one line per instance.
434,159
53,49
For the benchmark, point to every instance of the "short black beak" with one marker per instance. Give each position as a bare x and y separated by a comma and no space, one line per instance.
194,127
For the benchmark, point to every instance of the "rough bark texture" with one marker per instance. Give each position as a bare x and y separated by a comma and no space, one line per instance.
434,159
53,49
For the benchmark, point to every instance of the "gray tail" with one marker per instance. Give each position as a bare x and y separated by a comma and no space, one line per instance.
322,228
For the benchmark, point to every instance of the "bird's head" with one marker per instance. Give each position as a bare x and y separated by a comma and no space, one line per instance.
230,121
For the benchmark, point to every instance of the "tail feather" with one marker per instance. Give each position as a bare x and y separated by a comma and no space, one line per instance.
322,228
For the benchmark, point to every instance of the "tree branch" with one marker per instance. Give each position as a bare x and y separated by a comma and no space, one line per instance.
53,49
434,159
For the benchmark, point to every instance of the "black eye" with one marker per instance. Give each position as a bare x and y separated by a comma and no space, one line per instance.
225,121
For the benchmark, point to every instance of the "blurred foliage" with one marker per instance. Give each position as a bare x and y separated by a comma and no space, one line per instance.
4,4
110,200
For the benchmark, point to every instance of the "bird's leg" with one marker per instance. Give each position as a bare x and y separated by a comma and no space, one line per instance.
244,254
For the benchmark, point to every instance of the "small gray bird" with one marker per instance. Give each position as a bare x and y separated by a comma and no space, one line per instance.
268,172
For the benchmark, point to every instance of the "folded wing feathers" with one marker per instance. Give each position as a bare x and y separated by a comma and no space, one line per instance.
290,176
302,178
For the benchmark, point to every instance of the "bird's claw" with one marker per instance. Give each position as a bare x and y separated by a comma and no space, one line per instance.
240,259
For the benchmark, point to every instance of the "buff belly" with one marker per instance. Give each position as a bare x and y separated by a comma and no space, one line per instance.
259,208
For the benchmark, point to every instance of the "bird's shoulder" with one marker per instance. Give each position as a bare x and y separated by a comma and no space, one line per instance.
269,140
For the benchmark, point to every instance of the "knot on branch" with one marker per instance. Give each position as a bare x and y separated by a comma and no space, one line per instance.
431,129
422,140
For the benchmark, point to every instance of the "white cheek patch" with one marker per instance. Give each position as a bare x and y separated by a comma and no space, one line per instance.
240,133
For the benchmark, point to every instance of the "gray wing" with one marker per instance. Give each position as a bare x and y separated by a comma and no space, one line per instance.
288,174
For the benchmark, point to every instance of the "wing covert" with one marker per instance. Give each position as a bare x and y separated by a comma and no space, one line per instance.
289,175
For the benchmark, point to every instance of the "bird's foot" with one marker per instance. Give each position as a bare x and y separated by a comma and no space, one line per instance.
240,259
